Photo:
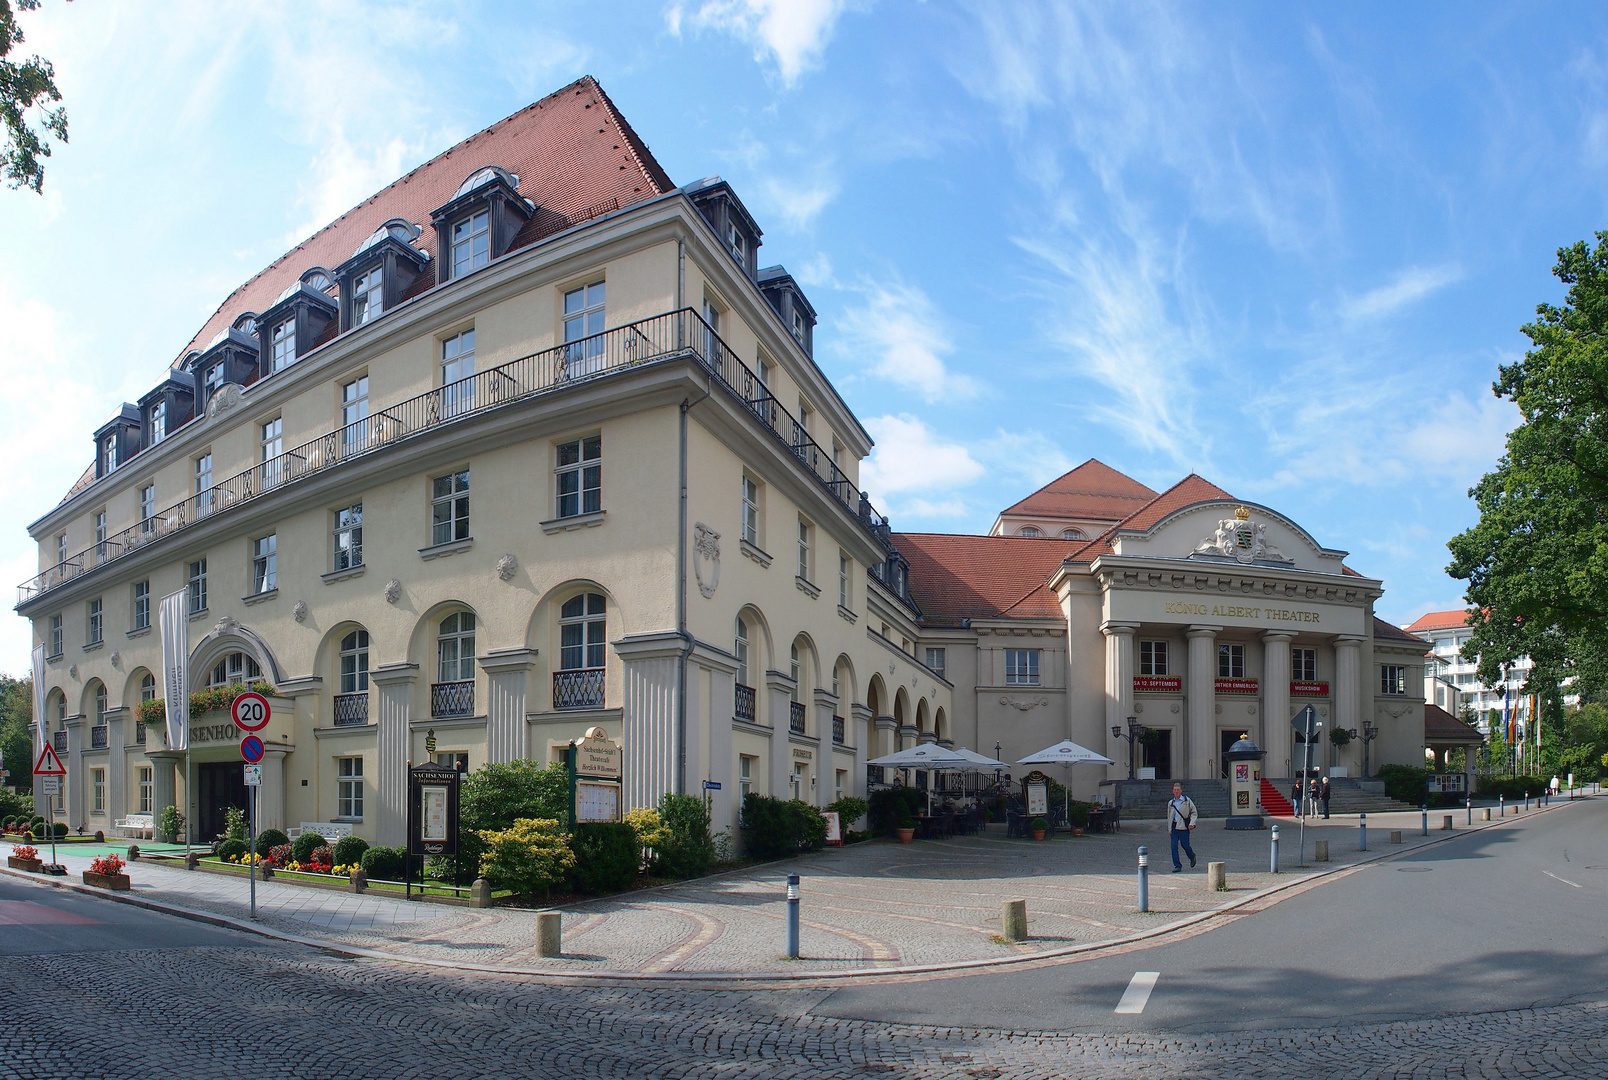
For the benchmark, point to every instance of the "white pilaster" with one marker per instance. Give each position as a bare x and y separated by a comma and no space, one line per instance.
393,685
271,796
507,691
711,701
1277,734
858,732
118,721
164,784
1118,690
650,727
778,701
1200,757
1347,683
74,761
825,756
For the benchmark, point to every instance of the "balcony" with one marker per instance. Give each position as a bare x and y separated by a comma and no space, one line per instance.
351,710
97,737
452,700
837,730
578,688
139,733
795,717
745,703
662,337
60,742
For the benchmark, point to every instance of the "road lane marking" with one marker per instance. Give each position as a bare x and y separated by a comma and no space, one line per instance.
1555,877
1138,993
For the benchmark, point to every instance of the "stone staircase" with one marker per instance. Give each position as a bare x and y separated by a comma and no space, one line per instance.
1142,799
1347,795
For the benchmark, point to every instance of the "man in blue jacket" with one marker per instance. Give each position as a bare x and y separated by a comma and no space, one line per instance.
1181,815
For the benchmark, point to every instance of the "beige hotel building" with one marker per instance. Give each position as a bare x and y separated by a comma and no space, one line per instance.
529,442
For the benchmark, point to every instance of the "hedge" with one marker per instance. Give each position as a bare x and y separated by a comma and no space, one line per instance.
1513,787
302,848
773,829
382,863
349,850
607,857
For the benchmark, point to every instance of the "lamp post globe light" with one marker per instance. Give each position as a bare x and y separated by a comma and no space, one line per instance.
1136,730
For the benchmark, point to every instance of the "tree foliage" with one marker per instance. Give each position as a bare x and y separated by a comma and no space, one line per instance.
16,713
1536,563
25,85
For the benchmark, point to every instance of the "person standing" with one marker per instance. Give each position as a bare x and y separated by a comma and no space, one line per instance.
1323,797
1181,816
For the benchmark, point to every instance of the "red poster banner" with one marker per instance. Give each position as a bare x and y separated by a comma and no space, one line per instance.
1236,686
1157,684
1309,689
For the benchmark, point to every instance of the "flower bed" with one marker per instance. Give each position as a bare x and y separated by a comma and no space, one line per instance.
24,857
106,872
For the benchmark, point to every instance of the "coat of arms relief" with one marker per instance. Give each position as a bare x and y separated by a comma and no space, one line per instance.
1241,539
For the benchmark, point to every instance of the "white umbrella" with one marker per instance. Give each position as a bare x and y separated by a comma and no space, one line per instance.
1067,754
933,756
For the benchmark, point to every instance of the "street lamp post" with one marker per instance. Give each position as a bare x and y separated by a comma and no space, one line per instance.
1136,730
1370,731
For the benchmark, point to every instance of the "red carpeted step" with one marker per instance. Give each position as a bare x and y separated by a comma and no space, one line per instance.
1275,803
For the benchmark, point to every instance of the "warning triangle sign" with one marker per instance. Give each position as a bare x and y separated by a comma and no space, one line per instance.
49,764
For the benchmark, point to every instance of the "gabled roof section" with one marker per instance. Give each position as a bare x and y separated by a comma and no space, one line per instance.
1092,490
574,154
1439,620
1384,631
1442,726
957,577
1188,491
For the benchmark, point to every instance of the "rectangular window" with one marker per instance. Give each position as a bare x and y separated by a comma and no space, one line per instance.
1231,661
197,578
580,476
100,536
282,345
745,776
449,508
583,318
354,414
738,242
457,365
55,645
471,243
271,444
109,453
454,759
158,422
368,295
750,511
97,783
349,792
843,581
349,537
1022,666
582,632
797,781
203,484
1304,665
803,549
213,380
264,563
97,628
1153,658
142,605
147,508
147,789
61,548
1392,679
837,791
935,660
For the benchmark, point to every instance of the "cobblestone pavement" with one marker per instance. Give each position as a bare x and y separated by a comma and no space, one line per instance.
283,1010
867,906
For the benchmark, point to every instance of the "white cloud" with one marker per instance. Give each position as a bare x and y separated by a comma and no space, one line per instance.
1407,287
793,33
1028,456
816,270
909,457
1461,439
799,203
903,340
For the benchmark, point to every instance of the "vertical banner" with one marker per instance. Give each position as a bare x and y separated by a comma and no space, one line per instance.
175,629
39,698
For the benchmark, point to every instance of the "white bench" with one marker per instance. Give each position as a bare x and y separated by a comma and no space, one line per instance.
329,830
142,826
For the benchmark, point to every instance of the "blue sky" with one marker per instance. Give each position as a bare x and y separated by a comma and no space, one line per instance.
1284,246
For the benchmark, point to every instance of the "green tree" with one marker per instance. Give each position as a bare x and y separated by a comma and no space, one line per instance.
26,85
1536,563
16,713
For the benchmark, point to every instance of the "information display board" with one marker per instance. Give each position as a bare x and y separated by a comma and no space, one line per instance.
433,809
596,766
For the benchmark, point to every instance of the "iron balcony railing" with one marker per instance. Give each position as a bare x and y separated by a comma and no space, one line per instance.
837,730
578,688
745,702
139,733
452,699
351,710
661,337
795,717
875,775
59,742
97,737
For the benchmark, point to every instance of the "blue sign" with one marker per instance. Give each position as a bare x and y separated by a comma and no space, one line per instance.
711,785
251,748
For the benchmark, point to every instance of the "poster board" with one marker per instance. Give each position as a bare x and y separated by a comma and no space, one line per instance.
596,801
834,829
1038,800
433,809
596,767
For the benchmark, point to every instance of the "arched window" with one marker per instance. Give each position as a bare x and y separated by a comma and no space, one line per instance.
1071,534
455,647
1029,530
355,662
742,652
147,687
100,704
61,712
582,631
793,668
237,667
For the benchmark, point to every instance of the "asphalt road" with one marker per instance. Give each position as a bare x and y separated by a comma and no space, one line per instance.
44,921
1509,918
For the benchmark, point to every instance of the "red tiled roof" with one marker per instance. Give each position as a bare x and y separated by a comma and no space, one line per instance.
1191,489
1384,631
1442,726
574,154
1092,490
980,577
1440,620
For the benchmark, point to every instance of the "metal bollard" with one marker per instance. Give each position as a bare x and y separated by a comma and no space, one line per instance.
1362,820
1424,810
1527,800
792,916
1470,801
1501,806
1273,859
1144,878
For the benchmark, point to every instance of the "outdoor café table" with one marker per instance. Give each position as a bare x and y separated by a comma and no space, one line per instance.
931,827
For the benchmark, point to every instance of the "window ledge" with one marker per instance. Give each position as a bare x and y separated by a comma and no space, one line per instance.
257,598
351,820
138,632
812,591
55,658
195,615
573,522
452,547
753,552
847,615
93,645
341,575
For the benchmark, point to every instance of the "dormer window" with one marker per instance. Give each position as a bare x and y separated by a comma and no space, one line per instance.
738,243
158,422
479,223
318,280
282,345
380,272
798,325
108,454
471,243
368,296
213,379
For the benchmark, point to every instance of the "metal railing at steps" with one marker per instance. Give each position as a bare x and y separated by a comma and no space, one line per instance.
795,717
660,337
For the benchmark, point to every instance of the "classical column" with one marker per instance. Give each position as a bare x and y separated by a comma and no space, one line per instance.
826,755
164,786
393,685
1200,758
1347,684
858,732
1118,691
507,689
650,727
778,703
711,706
271,796
117,722
74,781
1277,735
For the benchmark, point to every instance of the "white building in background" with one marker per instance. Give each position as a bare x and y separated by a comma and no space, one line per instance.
1452,683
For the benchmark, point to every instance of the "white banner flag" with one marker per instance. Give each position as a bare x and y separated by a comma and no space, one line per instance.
39,700
175,629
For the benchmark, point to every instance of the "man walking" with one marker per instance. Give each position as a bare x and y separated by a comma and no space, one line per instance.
1181,815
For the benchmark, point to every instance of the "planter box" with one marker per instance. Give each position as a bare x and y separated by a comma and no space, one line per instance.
33,866
115,882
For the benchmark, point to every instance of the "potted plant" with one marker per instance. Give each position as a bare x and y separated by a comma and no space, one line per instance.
904,825
25,857
1039,827
107,873
1078,816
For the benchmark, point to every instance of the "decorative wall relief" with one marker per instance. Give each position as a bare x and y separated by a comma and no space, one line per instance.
706,559
1023,706
1241,539
506,567
393,591
224,399
300,611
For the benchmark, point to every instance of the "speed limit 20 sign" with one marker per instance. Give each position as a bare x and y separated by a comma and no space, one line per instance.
250,711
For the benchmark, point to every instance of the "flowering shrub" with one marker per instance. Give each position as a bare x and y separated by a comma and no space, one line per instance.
25,851
279,855
108,865
247,860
